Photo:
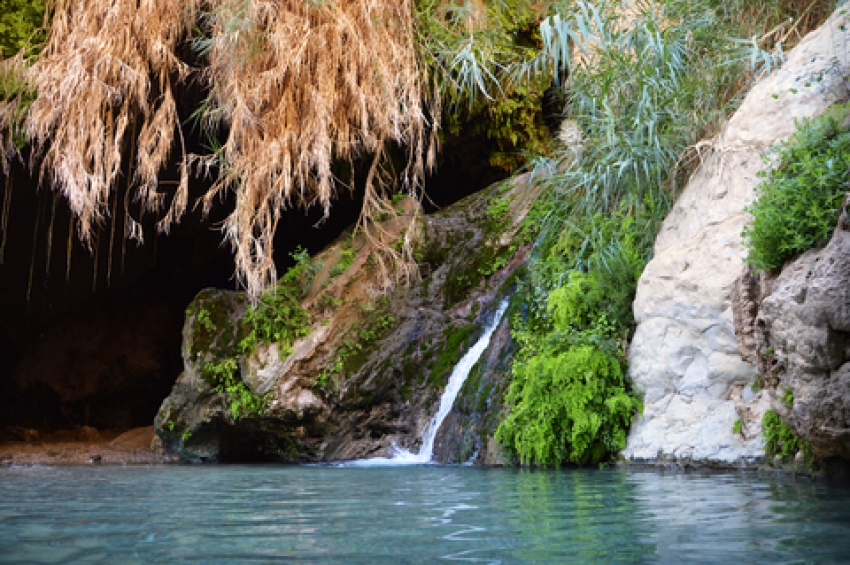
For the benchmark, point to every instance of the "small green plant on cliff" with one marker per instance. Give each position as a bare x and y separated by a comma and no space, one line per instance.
361,341
278,316
780,440
346,259
738,427
797,204
224,377
788,397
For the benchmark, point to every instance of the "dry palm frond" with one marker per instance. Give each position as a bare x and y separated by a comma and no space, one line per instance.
106,67
299,84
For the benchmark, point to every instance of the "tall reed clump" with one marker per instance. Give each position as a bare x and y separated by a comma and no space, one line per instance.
298,84
644,81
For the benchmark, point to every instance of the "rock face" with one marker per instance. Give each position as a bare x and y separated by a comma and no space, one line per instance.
803,330
466,435
685,355
369,374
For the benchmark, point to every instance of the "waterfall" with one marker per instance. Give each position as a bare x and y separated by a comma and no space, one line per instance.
458,377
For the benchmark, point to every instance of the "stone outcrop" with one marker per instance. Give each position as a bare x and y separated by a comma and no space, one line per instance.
685,356
803,330
368,376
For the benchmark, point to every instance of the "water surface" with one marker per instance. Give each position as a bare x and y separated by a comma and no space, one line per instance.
424,514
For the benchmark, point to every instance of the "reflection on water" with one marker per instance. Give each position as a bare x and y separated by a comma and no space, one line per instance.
428,514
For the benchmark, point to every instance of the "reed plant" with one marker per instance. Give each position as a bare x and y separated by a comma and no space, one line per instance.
644,82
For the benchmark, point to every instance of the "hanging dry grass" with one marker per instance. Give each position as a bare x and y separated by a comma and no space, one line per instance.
105,72
299,84
295,84
13,104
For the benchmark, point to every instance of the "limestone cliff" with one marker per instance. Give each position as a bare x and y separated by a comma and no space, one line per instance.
685,356
369,373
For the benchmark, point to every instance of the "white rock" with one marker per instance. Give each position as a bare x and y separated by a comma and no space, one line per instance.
684,356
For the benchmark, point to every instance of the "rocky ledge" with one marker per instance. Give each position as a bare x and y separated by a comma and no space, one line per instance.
366,370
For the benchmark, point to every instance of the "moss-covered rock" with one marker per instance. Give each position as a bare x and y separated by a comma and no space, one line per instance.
366,371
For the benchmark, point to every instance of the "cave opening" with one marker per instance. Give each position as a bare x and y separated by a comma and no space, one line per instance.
93,338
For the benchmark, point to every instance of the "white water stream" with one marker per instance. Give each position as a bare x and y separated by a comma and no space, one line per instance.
456,380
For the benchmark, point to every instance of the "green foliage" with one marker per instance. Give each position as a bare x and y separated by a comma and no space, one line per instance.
204,320
780,440
322,379
569,405
360,342
346,259
738,427
20,21
278,316
223,376
797,204
788,397
467,46
648,82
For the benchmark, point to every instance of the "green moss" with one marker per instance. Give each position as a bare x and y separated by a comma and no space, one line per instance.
471,272
456,340
738,427
223,376
361,341
212,332
346,259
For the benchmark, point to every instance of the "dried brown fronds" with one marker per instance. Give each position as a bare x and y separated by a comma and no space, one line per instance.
13,102
105,72
299,84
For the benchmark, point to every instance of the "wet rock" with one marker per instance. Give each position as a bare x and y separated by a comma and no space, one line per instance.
368,377
466,435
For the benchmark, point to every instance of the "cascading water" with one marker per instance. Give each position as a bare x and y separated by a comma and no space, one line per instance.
458,377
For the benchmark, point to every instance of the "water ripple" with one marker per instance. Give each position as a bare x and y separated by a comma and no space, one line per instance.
428,514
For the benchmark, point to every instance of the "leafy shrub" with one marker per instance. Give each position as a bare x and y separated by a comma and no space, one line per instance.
278,316
571,406
19,20
780,440
224,377
648,82
797,204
